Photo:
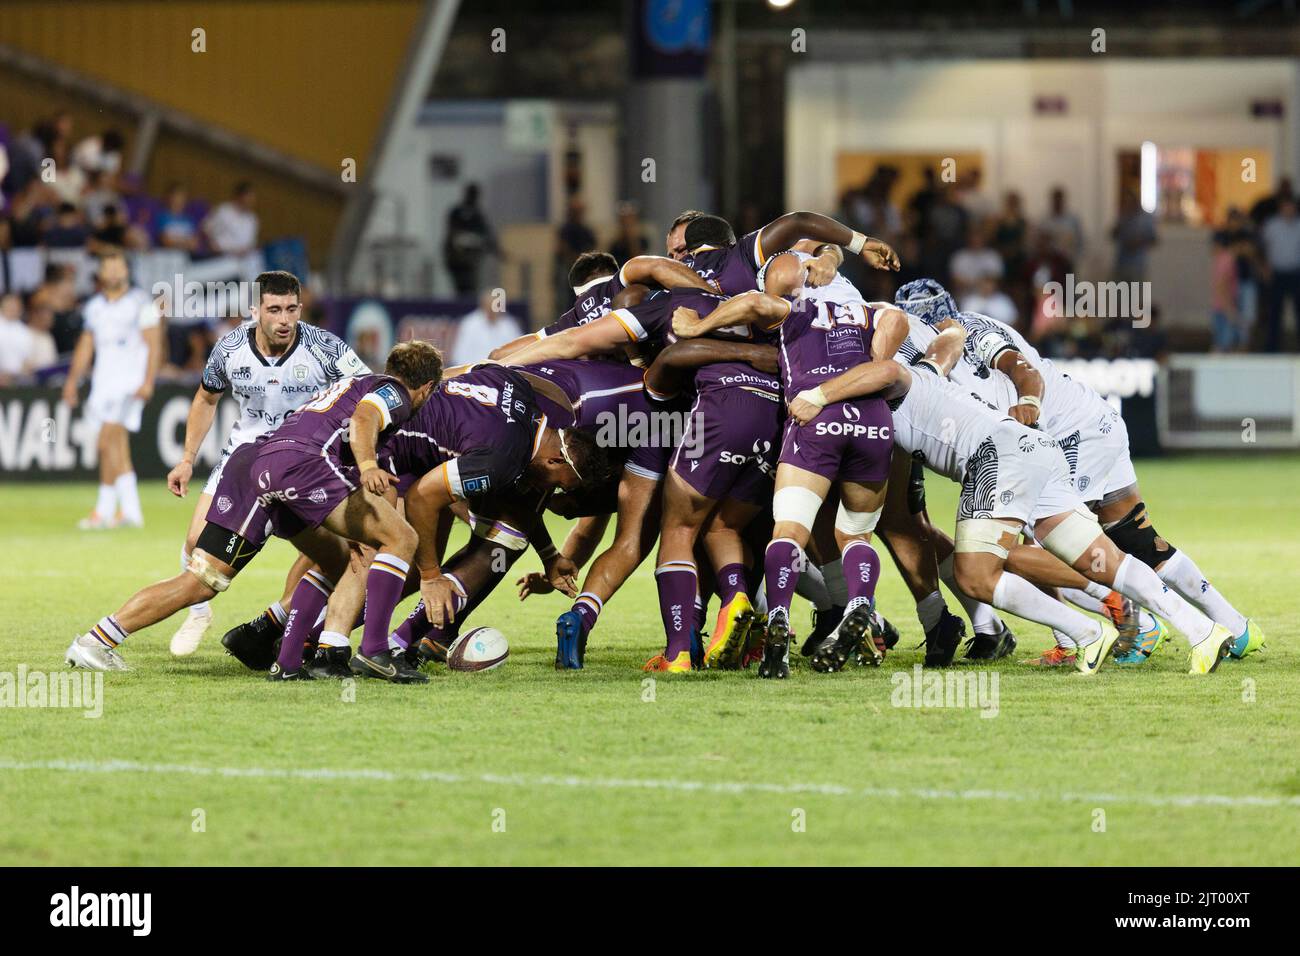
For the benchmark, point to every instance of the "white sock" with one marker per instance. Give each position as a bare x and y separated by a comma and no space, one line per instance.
813,587
929,610
278,612
1181,573
1097,590
1145,621
982,618
1019,597
106,504
1135,580
333,639
1084,600
833,575
202,607
1063,641
128,497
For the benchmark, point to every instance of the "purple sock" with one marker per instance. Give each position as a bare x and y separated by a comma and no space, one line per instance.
588,608
676,581
414,627
861,571
309,599
384,583
731,581
781,564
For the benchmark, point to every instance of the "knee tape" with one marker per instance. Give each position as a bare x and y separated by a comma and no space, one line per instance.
799,505
856,522
498,532
1071,539
202,569
1134,534
982,535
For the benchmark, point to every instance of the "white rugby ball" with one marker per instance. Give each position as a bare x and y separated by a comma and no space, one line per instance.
480,649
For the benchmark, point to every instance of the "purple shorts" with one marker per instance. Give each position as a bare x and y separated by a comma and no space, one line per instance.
278,488
849,440
729,444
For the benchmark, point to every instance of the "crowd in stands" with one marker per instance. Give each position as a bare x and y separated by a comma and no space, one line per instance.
63,200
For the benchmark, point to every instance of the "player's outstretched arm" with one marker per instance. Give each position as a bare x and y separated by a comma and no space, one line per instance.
886,379
203,410
363,437
499,353
748,308
595,338
668,273
674,365
425,503
785,231
891,330
1028,383
945,351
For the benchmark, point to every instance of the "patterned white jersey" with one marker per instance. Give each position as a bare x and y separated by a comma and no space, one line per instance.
121,353
1067,404
985,388
270,387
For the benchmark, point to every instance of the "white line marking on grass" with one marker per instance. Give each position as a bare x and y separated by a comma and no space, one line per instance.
630,783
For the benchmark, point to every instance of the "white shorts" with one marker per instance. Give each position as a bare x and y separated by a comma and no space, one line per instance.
1096,449
1018,473
210,488
114,409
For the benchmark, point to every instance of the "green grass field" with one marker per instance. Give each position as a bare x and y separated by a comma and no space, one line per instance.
199,761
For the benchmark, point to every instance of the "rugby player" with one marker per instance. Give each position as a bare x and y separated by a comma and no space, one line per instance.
1012,477
819,339
315,481
122,340
1095,439
270,365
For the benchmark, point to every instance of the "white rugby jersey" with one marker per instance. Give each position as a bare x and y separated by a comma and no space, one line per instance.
985,388
270,387
1067,403
942,420
121,353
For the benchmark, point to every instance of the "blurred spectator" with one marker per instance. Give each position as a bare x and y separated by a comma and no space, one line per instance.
970,195
1281,240
176,228
1010,233
573,238
486,328
1228,328
1134,235
948,229
631,240
987,299
98,197
1045,265
68,231
58,293
29,213
1250,268
100,154
15,339
975,262
468,237
232,226
1064,230
1266,208
40,322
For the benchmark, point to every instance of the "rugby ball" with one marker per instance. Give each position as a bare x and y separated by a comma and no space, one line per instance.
481,649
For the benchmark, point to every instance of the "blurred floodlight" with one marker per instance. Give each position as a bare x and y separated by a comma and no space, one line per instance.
780,4
1149,176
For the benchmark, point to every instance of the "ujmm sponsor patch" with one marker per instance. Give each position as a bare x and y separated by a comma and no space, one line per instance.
844,340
